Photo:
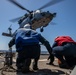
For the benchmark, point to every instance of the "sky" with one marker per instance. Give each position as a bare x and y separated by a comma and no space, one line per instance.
64,22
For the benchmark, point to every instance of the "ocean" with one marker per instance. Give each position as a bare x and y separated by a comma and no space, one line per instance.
4,51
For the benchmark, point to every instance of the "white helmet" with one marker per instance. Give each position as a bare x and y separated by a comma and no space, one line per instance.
27,26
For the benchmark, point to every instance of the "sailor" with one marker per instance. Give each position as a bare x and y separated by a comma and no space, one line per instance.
64,48
27,45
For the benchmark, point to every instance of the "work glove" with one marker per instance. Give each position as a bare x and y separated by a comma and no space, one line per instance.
9,45
51,58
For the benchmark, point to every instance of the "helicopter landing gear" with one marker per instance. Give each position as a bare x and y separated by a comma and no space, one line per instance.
41,29
8,63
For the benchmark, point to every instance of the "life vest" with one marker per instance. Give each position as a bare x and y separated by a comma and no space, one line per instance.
64,39
26,37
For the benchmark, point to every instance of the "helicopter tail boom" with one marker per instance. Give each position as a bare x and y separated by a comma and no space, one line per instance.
6,34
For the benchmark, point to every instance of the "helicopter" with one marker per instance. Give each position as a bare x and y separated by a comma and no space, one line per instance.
37,19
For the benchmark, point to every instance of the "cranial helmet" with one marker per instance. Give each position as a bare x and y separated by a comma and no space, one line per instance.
27,26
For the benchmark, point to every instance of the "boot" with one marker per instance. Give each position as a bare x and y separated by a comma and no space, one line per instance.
63,64
35,62
26,65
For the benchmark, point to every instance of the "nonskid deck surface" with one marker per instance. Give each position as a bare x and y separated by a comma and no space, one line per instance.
44,69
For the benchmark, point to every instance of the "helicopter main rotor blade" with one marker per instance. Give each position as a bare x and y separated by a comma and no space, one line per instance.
19,5
15,19
50,3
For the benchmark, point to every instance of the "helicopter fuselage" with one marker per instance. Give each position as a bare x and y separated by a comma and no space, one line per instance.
42,21
39,19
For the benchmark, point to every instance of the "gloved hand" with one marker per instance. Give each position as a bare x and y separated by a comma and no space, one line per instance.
51,58
9,45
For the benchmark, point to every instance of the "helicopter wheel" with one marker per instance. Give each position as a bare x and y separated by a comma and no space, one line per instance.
41,29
